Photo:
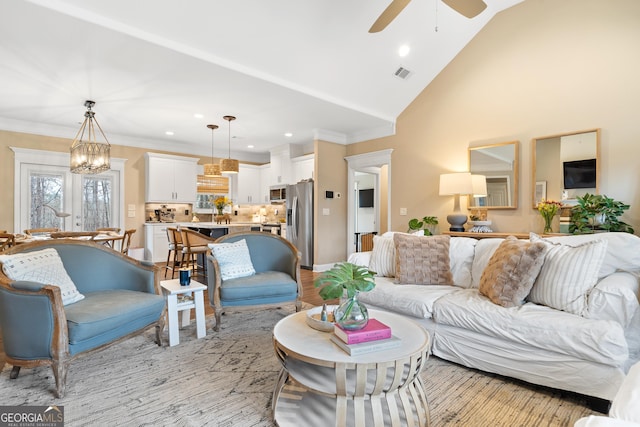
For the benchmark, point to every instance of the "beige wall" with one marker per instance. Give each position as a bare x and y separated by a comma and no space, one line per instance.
539,68
134,176
330,230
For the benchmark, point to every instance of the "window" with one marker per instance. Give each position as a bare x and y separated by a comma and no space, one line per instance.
49,195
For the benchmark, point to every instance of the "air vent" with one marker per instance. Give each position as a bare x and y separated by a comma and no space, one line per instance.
402,73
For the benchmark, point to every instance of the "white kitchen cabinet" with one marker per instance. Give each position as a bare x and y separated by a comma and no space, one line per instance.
249,185
265,183
302,168
156,242
280,167
171,179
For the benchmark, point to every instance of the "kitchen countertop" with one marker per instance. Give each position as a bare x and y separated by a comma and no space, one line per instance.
208,224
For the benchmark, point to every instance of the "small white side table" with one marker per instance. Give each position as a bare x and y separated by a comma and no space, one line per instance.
171,290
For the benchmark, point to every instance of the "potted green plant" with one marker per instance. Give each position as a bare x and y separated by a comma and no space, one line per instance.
427,224
598,212
346,280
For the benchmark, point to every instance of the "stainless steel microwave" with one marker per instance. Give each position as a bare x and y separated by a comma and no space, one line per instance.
278,193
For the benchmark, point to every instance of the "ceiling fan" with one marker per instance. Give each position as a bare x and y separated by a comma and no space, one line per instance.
468,8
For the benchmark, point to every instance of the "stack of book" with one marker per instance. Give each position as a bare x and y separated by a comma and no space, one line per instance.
376,336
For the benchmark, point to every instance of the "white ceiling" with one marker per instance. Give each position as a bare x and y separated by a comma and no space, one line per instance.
306,67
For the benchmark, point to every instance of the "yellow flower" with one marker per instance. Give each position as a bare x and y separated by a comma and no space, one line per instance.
549,208
221,202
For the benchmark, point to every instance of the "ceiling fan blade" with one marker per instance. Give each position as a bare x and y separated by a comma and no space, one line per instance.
388,15
468,8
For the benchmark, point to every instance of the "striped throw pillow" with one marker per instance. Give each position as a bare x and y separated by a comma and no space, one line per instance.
568,275
383,257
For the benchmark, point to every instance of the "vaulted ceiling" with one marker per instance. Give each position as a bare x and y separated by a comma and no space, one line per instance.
308,68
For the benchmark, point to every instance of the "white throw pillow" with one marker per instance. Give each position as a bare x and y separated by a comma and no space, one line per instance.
44,266
383,256
233,258
568,274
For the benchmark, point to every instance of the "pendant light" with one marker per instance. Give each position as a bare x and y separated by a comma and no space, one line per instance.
90,156
212,169
229,165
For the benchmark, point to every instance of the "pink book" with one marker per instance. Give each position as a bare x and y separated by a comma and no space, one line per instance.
375,330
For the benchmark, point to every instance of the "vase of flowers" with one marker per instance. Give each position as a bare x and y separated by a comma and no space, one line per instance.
548,209
345,280
220,203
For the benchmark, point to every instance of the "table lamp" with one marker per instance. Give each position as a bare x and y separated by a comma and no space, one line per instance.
456,184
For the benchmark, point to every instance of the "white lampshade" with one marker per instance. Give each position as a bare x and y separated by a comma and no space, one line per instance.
455,183
479,184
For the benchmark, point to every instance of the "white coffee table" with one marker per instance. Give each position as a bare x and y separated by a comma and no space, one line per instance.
172,289
321,385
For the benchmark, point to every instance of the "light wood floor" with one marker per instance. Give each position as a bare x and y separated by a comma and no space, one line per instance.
309,292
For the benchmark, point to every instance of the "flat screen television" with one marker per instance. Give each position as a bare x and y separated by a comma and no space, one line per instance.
365,198
579,173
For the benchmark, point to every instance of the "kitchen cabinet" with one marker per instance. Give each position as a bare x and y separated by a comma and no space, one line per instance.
156,242
265,184
280,166
302,168
170,179
249,185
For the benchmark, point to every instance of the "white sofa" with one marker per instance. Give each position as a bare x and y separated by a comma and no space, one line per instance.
625,411
587,353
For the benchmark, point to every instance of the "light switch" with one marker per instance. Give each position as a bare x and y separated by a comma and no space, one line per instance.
131,214
403,211
326,211
131,207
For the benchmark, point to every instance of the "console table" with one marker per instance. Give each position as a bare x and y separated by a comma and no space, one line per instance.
321,385
495,235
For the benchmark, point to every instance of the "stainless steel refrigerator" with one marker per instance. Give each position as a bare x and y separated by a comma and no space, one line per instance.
300,220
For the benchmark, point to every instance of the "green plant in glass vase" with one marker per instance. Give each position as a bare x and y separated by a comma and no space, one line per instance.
345,280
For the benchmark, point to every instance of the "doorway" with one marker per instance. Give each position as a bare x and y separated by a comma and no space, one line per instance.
372,170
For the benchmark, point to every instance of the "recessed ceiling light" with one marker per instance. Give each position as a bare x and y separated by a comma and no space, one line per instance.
198,115
404,50
288,134
250,146
170,133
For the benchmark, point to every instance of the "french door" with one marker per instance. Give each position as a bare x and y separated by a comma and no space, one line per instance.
49,195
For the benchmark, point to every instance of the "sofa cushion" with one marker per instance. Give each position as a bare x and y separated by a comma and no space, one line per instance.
568,274
422,260
233,258
411,300
43,266
483,252
623,250
538,326
104,311
511,271
615,297
383,256
265,285
461,254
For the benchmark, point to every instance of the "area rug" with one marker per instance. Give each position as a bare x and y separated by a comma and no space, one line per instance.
227,378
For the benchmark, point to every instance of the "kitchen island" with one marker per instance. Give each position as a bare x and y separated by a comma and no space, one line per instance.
156,243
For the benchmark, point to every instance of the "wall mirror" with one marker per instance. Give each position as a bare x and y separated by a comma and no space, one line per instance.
565,166
499,163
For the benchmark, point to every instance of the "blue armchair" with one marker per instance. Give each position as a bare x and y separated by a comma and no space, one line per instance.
277,279
121,298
